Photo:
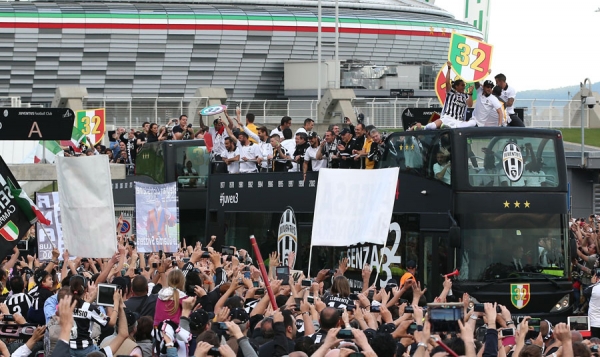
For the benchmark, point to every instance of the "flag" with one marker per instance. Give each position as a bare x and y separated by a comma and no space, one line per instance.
77,137
471,59
48,149
16,214
10,231
87,206
29,209
92,124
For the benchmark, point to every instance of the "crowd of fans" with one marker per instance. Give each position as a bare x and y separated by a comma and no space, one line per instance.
202,302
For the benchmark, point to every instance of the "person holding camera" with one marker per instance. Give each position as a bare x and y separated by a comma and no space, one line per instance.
183,131
592,293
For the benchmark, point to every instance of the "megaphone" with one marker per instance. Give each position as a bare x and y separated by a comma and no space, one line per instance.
454,273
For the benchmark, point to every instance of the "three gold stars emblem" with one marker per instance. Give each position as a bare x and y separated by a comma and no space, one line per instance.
517,204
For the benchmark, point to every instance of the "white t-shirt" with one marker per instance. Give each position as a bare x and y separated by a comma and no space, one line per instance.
508,93
234,167
594,308
218,141
277,131
437,168
290,146
251,152
485,112
311,155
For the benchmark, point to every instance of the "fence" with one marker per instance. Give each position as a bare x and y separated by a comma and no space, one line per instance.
381,112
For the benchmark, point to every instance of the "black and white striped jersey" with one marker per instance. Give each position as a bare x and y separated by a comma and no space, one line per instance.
85,315
455,105
19,303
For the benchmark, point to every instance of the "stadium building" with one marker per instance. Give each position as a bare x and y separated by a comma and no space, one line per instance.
169,49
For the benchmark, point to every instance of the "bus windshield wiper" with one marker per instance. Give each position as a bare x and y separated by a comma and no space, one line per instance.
545,276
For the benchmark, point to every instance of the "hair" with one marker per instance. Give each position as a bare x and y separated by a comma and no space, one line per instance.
340,286
276,136
329,318
175,280
234,302
303,344
77,286
302,136
95,354
250,117
288,319
497,91
536,351
191,280
263,129
579,350
308,120
281,300
373,132
500,77
457,345
229,139
210,337
287,133
456,83
144,328
144,124
285,120
266,328
182,115
16,284
330,132
383,345
368,128
243,133
139,285
362,126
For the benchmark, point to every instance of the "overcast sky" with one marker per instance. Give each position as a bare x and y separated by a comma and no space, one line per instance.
542,44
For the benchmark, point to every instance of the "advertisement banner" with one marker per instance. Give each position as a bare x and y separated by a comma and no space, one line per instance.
47,202
156,217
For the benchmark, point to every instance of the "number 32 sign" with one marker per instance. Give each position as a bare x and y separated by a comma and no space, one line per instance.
471,59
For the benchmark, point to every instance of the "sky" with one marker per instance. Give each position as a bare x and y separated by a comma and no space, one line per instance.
542,44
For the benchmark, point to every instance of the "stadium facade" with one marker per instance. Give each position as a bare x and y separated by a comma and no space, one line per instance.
169,49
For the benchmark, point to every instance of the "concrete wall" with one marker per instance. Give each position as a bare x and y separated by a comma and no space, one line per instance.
582,191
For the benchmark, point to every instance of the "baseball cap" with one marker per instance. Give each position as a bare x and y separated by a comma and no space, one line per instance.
411,264
405,277
313,135
344,131
132,317
239,314
489,83
199,319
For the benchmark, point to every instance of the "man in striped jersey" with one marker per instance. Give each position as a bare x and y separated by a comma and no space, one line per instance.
18,302
454,112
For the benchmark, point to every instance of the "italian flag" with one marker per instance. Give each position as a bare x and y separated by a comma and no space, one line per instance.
77,137
25,204
91,123
471,59
48,150
10,231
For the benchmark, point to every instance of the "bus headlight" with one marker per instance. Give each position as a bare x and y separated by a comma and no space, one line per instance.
562,304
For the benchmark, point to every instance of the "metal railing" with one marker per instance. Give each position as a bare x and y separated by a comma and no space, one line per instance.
381,112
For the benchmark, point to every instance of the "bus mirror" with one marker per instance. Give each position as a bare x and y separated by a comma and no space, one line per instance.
454,236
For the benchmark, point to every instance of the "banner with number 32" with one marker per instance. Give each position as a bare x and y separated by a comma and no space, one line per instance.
471,59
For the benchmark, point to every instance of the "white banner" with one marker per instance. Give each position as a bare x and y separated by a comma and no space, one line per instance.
86,204
157,217
47,202
353,206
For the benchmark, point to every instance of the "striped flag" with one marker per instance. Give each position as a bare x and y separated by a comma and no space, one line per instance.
471,59
77,137
10,231
17,211
47,150
91,123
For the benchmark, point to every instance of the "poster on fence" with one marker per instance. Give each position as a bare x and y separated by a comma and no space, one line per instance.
156,217
47,202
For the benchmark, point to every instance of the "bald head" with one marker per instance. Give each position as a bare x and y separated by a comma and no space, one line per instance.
576,336
298,354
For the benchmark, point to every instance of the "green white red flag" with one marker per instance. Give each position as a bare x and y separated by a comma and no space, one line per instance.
471,59
91,123
47,150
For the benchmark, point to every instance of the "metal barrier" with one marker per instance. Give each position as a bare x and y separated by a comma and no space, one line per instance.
382,112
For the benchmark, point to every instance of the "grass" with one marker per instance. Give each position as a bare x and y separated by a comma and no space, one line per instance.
573,135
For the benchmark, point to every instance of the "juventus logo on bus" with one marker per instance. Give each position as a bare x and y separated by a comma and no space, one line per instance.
287,237
512,161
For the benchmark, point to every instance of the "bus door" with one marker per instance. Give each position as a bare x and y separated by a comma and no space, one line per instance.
435,258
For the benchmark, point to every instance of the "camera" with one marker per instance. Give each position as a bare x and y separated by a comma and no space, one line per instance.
409,310
375,308
590,102
214,351
345,334
205,255
307,283
189,125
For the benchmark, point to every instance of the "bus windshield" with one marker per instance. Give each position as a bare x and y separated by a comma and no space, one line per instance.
501,161
505,246
192,166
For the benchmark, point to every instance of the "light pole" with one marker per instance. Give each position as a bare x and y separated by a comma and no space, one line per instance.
318,60
587,99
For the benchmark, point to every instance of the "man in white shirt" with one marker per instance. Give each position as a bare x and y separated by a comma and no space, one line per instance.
311,155
488,109
508,96
441,169
250,154
286,122
289,143
232,156
263,140
308,127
